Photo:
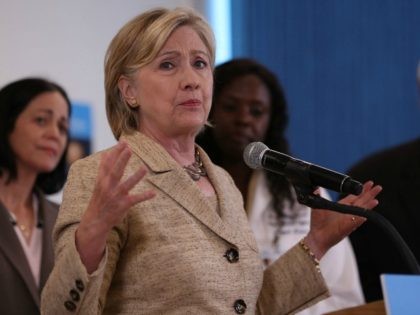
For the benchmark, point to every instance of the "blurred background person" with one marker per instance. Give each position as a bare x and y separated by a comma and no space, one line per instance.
34,115
75,151
249,105
397,170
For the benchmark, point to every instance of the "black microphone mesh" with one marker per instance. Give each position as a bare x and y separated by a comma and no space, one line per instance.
253,154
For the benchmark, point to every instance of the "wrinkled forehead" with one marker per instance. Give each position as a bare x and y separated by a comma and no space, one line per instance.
184,39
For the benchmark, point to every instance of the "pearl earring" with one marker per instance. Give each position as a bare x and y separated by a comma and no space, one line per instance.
133,103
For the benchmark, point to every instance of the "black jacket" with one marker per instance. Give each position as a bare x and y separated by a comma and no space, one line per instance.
19,294
398,171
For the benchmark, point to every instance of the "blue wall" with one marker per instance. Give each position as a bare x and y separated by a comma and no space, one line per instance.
348,68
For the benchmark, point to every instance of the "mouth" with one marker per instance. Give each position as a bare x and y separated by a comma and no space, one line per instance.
50,151
241,137
191,103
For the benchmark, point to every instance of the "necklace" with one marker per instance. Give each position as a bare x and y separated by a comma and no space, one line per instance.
196,169
27,227
24,229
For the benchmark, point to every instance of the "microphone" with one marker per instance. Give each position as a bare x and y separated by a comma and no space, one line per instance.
258,156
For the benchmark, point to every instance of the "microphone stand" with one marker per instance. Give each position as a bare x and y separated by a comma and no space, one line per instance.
306,196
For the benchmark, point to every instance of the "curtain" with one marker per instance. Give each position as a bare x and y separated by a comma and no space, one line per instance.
348,68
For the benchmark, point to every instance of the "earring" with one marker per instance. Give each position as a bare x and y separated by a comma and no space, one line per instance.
133,103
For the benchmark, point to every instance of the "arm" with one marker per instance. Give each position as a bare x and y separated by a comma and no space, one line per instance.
339,270
290,284
109,204
293,282
81,266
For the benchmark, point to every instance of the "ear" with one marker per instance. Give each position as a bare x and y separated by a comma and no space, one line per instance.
127,90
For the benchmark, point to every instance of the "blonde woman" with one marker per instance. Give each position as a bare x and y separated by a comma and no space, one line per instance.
152,226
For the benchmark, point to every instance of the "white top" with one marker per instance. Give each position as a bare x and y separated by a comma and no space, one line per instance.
338,266
33,250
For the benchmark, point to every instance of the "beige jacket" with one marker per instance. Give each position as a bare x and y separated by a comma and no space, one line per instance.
168,254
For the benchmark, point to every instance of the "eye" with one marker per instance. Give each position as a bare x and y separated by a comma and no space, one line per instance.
256,112
200,64
166,65
41,121
63,128
229,107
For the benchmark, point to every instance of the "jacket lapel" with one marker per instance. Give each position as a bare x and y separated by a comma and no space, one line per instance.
10,245
170,178
48,215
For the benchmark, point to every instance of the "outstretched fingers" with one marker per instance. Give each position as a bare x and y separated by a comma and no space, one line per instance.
117,162
367,199
126,198
112,165
136,198
125,187
113,196
110,201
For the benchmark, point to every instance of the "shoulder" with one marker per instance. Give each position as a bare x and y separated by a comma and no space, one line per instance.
388,159
88,165
48,210
82,174
45,201
89,160
51,204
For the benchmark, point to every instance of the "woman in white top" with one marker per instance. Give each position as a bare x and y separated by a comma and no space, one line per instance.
249,105
34,116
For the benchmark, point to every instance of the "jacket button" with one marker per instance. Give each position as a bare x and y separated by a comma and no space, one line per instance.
239,306
74,295
70,306
80,285
232,255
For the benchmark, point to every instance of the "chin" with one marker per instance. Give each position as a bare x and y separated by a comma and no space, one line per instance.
193,124
239,146
46,167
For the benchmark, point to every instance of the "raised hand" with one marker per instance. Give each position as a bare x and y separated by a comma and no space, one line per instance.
109,204
329,227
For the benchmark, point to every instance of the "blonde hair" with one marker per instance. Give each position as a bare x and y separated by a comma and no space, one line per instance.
136,44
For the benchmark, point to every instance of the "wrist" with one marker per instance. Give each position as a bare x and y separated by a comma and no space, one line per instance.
314,245
92,236
308,251
90,243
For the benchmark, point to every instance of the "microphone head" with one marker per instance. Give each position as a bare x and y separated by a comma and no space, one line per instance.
254,153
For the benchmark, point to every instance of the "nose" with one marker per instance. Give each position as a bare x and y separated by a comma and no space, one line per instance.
243,115
189,79
53,132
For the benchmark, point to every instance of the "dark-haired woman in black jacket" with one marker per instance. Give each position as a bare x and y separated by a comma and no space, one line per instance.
34,119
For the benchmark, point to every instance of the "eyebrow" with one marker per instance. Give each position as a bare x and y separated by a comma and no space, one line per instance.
46,110
51,113
254,100
175,52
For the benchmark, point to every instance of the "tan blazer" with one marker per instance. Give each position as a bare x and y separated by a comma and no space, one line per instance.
173,253
19,293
